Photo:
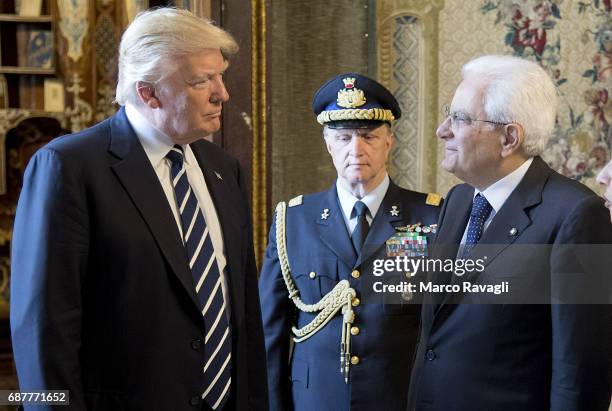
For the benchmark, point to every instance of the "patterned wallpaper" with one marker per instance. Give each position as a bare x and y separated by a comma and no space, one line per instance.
420,48
572,40
403,165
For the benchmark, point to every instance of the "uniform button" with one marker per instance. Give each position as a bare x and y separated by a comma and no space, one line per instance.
355,360
355,274
430,355
196,344
195,400
354,330
355,302
312,275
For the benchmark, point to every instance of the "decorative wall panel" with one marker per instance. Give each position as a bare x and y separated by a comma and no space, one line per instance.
404,159
407,50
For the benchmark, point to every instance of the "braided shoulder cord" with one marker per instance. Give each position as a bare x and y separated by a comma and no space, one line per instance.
341,295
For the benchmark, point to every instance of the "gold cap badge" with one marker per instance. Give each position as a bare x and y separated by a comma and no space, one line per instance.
350,96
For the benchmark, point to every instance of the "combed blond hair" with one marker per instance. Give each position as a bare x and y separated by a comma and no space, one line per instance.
153,42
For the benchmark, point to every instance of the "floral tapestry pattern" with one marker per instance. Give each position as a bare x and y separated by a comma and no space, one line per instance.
582,142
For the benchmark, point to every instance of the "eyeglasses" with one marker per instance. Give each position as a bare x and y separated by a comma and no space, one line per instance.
462,119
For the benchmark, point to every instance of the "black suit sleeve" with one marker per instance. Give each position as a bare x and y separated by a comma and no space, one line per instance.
258,390
278,313
580,270
49,257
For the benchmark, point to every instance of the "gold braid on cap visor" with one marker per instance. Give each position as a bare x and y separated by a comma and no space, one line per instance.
355,114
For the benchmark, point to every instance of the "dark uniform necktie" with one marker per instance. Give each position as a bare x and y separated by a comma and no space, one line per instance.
479,214
361,229
207,280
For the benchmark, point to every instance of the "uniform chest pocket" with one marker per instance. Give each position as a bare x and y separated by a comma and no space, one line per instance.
314,276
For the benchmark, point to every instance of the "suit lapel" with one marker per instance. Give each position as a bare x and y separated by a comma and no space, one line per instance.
142,185
449,237
226,207
512,219
512,215
332,228
452,228
383,225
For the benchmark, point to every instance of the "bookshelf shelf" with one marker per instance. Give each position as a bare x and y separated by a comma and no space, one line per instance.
26,70
15,18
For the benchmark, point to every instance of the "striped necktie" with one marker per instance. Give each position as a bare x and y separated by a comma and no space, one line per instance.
207,280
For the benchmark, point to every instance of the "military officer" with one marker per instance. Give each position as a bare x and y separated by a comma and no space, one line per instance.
328,347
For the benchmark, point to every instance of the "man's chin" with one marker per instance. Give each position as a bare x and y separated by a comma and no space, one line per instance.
448,165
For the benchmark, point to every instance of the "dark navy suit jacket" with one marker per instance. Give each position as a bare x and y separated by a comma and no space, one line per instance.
102,299
509,356
310,378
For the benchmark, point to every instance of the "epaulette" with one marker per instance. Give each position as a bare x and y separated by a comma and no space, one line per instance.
433,199
296,201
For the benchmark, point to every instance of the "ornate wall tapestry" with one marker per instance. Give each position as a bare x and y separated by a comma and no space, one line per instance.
540,31
572,40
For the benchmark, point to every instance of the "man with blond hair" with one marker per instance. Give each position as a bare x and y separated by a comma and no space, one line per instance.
133,273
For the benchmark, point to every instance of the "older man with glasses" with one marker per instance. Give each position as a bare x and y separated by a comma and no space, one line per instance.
544,345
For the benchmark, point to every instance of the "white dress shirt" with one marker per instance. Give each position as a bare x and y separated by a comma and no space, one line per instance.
497,194
156,145
372,200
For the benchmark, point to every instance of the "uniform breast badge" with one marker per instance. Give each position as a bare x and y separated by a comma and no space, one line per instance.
410,241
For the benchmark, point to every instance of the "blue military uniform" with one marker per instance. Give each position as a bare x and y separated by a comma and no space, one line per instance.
318,254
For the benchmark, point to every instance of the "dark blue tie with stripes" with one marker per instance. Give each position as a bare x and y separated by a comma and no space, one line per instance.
207,280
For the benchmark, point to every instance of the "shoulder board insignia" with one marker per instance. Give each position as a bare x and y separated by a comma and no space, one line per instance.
433,199
296,201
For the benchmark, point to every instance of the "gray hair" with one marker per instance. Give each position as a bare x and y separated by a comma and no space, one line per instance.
154,41
517,91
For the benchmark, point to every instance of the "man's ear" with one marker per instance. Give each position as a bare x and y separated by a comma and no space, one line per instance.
512,139
147,94
326,138
391,139
327,145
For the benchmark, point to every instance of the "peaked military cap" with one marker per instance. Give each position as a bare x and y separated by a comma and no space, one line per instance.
352,100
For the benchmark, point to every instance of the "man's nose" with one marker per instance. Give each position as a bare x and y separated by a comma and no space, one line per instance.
219,93
444,129
356,145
